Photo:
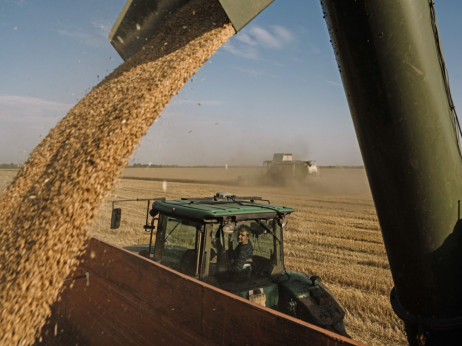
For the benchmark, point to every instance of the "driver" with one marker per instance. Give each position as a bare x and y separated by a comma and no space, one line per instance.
244,251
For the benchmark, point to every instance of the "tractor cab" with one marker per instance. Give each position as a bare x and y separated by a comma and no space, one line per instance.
199,237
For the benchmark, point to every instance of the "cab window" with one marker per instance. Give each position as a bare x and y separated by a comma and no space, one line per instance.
179,244
264,238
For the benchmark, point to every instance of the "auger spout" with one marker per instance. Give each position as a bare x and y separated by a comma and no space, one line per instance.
140,20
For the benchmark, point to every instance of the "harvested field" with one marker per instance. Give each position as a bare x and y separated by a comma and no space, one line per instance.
220,175
333,233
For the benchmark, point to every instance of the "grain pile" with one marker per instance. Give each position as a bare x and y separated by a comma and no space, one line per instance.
48,206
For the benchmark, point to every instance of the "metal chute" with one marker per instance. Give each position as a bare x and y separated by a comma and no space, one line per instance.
140,20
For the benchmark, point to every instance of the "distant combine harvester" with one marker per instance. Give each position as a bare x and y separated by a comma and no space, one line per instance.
284,168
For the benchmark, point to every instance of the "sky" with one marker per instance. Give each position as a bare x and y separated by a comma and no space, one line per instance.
273,87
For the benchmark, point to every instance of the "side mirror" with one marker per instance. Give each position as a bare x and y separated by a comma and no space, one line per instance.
115,218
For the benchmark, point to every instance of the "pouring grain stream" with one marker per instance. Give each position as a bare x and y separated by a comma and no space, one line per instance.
46,210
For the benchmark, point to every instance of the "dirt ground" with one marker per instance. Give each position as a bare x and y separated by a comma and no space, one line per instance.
333,233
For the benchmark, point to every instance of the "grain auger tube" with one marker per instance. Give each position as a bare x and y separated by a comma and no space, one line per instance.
392,69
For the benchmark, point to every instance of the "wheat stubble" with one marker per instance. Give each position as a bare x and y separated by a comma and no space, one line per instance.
48,206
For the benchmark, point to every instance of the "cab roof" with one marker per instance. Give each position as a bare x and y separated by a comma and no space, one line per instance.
218,208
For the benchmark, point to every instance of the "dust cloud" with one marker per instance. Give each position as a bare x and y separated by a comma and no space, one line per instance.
329,180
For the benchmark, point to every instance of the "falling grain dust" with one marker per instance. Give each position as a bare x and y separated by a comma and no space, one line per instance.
46,210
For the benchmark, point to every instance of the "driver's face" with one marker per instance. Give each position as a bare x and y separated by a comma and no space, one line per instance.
243,238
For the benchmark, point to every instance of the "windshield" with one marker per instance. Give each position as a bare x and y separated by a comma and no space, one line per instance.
180,234
262,246
178,245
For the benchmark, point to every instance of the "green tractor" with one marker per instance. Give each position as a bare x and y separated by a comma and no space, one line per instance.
199,237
